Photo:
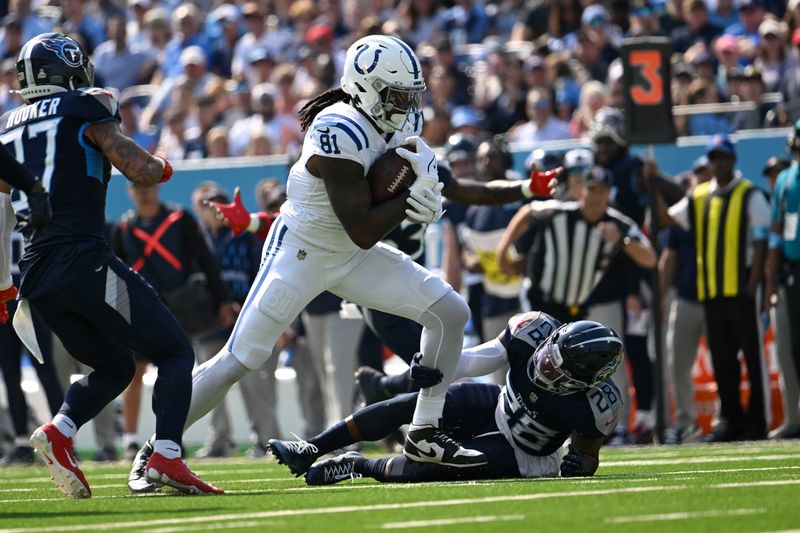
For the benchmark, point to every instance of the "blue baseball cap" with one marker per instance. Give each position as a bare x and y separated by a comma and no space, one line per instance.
720,143
700,162
465,116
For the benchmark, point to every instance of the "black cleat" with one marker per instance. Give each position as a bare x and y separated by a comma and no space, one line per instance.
369,381
334,470
298,455
429,444
137,479
19,456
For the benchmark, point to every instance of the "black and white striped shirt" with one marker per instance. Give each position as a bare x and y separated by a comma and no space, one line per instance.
569,256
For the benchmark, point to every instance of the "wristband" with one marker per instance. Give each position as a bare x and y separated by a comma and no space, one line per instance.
775,240
255,223
525,187
166,173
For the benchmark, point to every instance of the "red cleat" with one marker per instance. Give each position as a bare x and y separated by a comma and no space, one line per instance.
176,474
56,450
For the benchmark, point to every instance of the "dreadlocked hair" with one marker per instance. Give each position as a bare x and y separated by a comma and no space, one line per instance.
317,104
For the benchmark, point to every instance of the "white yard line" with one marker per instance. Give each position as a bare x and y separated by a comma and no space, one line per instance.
666,517
147,524
229,525
699,460
144,524
453,521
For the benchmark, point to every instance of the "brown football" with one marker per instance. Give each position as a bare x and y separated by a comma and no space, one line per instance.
389,176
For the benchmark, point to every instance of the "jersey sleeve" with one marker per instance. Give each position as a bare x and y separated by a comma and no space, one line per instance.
603,413
93,105
339,137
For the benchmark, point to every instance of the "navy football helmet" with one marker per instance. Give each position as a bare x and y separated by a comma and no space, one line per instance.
51,63
577,356
609,122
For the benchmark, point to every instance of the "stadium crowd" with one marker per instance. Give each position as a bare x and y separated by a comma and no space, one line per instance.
210,79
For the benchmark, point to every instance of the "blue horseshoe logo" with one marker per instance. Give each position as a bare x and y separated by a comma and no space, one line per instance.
374,60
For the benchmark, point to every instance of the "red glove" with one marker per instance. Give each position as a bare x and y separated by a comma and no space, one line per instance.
166,174
266,222
234,214
540,183
6,296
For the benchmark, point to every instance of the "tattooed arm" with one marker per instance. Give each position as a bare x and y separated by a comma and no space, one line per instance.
132,160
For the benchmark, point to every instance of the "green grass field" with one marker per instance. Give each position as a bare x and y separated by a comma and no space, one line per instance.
742,487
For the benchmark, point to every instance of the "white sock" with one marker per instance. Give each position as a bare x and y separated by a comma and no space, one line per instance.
65,425
167,448
22,442
128,439
429,410
646,418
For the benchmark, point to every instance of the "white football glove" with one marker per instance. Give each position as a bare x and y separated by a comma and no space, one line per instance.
423,162
426,205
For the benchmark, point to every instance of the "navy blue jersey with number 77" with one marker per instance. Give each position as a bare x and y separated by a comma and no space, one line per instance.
47,137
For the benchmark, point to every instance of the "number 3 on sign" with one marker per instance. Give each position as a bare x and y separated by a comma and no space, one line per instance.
648,62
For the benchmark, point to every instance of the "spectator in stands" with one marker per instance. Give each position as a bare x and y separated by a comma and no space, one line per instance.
217,142
76,20
445,58
157,34
262,64
302,15
644,20
541,125
466,22
507,108
224,24
119,64
698,27
773,59
32,23
772,168
187,22
207,118
726,50
136,27
282,131
129,116
9,84
751,15
704,92
11,42
725,14
592,99
419,20
588,55
172,142
194,76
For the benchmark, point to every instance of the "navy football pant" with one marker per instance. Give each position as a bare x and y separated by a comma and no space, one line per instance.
100,320
11,349
468,416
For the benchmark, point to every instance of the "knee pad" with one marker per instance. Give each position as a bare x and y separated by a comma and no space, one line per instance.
451,310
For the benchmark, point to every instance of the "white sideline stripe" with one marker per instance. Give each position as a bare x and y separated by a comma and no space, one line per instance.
698,460
144,524
453,521
665,517
140,524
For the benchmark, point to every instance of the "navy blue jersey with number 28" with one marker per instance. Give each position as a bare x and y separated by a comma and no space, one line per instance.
47,136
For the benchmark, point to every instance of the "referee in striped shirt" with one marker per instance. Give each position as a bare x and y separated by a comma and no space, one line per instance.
575,244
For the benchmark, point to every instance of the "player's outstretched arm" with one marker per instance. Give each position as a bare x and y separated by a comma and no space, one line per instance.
515,229
132,160
351,199
498,192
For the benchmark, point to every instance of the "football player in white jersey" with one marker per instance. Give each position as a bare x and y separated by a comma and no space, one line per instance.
327,238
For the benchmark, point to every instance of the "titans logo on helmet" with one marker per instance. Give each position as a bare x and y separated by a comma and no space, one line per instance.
67,51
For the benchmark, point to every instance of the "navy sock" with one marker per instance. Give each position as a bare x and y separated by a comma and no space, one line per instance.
374,468
371,423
